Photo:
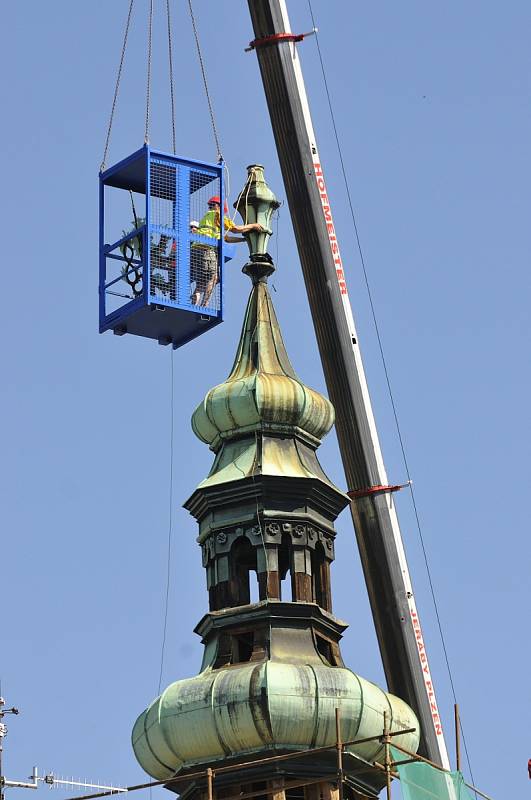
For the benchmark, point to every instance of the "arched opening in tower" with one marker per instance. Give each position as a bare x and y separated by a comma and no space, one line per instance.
321,577
243,563
284,567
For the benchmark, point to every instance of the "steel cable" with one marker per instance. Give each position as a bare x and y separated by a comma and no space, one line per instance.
148,81
117,86
387,379
205,83
170,61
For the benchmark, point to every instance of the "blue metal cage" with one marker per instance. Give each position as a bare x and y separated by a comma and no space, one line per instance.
159,276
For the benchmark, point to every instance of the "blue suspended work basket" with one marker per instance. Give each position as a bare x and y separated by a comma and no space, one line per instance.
158,277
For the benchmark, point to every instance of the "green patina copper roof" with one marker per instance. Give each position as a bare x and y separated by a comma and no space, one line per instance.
262,392
254,708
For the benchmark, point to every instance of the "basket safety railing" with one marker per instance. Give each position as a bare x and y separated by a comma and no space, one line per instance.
127,252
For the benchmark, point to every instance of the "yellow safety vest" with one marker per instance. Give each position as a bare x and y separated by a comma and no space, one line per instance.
209,225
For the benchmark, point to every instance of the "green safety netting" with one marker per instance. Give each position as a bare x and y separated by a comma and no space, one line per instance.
419,781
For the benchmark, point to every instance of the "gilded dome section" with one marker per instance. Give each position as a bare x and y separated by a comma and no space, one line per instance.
262,391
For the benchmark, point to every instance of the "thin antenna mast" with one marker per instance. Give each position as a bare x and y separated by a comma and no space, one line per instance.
49,778
3,733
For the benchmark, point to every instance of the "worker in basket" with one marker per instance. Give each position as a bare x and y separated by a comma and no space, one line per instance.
204,258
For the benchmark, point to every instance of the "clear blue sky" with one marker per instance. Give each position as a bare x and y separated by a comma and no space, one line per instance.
433,110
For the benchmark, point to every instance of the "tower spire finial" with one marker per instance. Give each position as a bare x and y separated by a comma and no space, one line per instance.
256,203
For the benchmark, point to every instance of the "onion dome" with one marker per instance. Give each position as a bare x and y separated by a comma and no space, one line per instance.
262,392
257,708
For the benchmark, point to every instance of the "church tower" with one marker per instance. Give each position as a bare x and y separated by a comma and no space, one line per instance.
272,675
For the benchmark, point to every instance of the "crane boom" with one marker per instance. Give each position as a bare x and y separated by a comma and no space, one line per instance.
378,534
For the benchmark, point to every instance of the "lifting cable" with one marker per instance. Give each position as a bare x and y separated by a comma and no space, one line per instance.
170,64
205,83
147,125
384,363
148,78
137,221
172,389
117,86
136,224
